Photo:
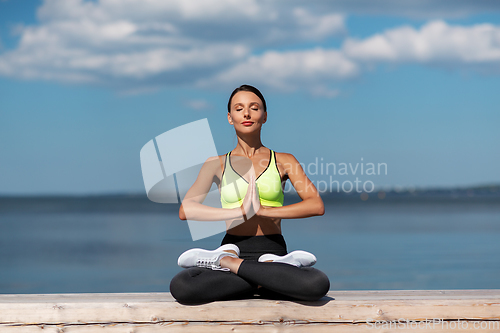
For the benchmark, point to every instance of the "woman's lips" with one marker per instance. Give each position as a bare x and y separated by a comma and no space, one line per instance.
247,123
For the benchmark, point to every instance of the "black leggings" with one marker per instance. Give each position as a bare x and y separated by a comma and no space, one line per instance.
276,280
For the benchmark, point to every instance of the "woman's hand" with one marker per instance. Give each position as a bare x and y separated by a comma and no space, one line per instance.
251,202
255,196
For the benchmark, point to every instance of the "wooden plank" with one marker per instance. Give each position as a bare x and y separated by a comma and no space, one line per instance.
338,295
344,311
466,326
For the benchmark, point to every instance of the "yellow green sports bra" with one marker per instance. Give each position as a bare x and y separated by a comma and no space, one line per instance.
234,187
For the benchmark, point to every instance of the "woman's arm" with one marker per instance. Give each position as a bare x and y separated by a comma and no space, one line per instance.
192,207
311,204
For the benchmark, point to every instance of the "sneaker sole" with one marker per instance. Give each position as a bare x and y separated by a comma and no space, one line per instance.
297,258
208,253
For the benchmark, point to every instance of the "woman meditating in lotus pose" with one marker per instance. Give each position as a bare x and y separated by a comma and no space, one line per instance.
253,256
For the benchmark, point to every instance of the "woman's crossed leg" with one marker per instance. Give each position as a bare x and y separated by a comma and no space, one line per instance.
200,285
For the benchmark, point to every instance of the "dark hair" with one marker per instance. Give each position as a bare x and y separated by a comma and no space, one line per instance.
246,87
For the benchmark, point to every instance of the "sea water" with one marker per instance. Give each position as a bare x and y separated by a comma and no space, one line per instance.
128,244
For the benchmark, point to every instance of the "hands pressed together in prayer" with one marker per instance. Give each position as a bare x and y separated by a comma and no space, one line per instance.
251,203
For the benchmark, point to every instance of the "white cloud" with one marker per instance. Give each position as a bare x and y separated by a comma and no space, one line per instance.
435,43
289,71
151,10
317,27
415,9
130,43
475,47
140,45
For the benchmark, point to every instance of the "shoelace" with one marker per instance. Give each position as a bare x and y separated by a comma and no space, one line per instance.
210,263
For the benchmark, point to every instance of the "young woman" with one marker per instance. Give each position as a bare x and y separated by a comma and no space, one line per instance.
253,256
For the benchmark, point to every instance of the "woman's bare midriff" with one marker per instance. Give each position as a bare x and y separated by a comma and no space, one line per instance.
255,226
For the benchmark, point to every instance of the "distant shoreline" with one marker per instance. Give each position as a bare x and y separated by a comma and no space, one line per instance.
492,190
139,203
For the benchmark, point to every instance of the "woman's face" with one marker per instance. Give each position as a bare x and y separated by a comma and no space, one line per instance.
247,113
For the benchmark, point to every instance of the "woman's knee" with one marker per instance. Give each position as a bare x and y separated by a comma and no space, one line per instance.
316,285
195,285
182,287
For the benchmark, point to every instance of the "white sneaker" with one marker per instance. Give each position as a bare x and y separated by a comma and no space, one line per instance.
297,258
209,259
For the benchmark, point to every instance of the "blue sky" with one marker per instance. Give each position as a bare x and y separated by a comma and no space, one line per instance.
85,84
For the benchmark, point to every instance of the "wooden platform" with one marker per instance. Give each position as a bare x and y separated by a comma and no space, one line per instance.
340,311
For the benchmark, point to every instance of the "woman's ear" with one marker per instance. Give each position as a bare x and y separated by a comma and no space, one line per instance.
229,118
265,118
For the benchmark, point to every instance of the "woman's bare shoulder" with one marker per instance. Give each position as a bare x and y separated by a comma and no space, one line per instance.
214,163
219,158
285,158
288,163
